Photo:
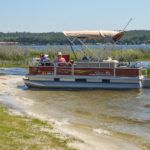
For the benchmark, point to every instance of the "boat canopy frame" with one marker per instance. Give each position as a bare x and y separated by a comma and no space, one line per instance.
80,36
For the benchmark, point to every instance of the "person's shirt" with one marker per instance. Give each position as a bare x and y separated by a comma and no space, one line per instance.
61,60
43,59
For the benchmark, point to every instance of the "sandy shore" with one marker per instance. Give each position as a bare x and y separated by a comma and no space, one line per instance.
11,89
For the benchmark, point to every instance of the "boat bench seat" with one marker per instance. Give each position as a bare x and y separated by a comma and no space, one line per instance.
95,65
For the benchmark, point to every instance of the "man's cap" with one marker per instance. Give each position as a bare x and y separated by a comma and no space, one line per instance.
59,53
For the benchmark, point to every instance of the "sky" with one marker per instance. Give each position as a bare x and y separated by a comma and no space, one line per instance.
64,15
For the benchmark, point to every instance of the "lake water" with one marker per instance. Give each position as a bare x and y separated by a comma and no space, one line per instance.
98,46
117,119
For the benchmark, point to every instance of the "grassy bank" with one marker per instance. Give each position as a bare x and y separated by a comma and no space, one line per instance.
17,56
17,132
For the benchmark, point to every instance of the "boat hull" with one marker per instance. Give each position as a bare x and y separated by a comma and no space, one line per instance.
146,83
80,85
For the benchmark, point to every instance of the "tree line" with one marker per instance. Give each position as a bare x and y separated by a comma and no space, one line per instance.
130,37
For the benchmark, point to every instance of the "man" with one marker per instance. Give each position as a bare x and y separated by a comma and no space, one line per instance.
61,59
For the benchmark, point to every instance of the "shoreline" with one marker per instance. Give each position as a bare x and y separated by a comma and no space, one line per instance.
83,140
23,131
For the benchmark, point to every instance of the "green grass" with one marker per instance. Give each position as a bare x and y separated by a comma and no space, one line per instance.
16,56
17,133
148,73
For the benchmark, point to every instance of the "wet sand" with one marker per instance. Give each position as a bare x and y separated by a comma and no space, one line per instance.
72,113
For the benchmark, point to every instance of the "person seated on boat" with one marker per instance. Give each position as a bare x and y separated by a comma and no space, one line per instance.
43,59
85,58
60,59
71,62
110,60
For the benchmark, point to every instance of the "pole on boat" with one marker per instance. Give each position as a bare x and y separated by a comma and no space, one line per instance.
83,44
127,24
122,31
70,42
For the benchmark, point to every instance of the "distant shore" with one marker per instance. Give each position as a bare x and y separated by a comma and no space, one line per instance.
130,37
9,43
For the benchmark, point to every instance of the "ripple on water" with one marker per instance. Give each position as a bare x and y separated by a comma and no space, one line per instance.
102,131
122,119
13,71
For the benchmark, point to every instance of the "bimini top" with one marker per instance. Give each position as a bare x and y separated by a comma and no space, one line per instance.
102,35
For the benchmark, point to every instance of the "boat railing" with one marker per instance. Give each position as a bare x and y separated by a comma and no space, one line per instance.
37,62
98,68
86,69
95,65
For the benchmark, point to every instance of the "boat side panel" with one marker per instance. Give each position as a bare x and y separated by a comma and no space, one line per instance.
81,85
61,70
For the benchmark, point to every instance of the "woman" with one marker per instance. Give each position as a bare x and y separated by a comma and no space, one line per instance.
43,59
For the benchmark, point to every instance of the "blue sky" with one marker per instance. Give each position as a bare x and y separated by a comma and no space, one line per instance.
60,15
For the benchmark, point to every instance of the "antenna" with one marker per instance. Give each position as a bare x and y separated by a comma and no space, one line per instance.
127,24
123,31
